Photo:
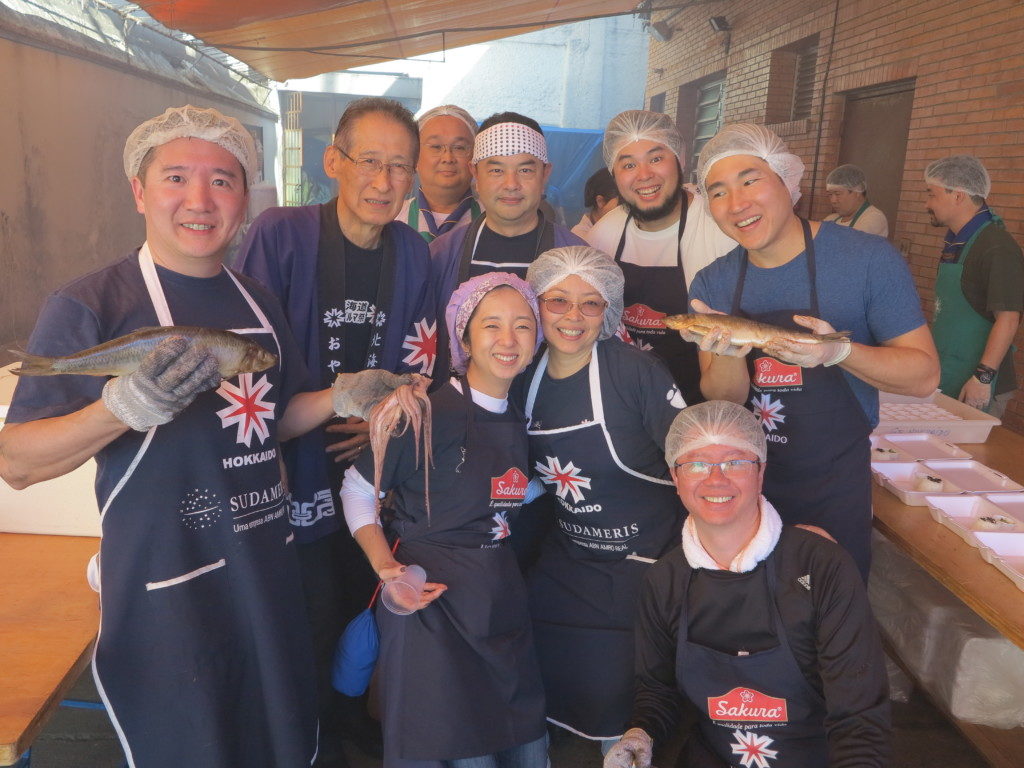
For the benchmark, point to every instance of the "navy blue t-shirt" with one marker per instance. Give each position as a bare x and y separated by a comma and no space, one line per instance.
112,302
864,287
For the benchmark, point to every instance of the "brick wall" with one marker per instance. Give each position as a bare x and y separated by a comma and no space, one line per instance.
967,60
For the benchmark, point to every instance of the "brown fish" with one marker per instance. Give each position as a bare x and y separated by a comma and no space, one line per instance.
236,354
748,331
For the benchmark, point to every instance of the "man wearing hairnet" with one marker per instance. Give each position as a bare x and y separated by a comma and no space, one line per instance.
355,286
759,631
979,289
661,236
847,189
444,199
510,166
817,402
204,657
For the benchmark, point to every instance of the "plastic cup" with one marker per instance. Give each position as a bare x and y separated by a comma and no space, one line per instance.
402,595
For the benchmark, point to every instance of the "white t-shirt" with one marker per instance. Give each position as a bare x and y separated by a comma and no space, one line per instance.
872,221
702,242
583,227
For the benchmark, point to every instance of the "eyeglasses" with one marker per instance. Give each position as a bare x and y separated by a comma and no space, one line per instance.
735,467
560,306
457,150
371,166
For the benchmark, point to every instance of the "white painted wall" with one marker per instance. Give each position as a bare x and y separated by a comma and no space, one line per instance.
574,76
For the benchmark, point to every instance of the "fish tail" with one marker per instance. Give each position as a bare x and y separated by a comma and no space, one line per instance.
32,365
837,336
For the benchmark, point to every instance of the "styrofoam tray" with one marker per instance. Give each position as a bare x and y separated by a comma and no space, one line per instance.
965,515
900,478
883,450
1009,503
924,446
972,476
1006,552
936,414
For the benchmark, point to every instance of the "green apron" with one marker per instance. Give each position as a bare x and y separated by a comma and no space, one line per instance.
864,206
960,332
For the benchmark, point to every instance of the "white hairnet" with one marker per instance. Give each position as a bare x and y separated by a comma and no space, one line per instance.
449,110
640,125
716,422
190,122
589,264
961,173
848,177
756,140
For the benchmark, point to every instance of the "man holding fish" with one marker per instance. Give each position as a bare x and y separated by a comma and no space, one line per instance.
816,397
204,655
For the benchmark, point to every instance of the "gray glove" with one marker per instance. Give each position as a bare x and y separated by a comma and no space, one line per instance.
166,381
355,394
633,749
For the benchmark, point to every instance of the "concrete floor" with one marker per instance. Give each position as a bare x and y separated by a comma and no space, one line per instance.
76,738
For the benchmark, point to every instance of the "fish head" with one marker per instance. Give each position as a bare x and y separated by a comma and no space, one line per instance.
255,359
680,322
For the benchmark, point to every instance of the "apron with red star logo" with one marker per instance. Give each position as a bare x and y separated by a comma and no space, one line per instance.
460,676
203,657
818,467
755,711
612,523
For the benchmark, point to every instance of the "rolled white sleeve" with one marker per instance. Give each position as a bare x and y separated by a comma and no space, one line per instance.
357,500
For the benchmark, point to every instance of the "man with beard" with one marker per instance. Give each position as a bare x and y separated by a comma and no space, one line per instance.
661,237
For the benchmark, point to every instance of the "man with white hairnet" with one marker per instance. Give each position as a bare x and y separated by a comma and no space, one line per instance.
445,197
661,236
847,189
204,656
817,402
760,632
979,289
510,166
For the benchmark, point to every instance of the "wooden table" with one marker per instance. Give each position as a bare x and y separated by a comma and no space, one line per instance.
960,568
48,621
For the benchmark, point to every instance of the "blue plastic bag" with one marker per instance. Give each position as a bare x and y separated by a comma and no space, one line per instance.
356,655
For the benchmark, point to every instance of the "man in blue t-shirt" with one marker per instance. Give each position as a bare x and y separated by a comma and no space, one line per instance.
817,402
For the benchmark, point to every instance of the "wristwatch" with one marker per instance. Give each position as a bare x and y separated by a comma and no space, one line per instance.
984,374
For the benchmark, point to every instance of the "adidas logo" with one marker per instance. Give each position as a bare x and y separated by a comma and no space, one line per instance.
805,581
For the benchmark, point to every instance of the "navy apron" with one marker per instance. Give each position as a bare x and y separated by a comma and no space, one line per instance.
650,295
756,711
818,468
460,676
612,522
203,657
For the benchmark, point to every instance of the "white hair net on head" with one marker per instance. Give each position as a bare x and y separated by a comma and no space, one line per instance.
756,140
448,110
847,177
961,173
716,422
590,265
640,125
190,122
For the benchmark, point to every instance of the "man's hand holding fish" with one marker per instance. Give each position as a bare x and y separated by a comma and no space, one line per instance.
806,355
718,339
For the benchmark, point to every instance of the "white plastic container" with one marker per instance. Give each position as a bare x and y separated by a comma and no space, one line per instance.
923,446
1006,552
968,515
936,414
905,479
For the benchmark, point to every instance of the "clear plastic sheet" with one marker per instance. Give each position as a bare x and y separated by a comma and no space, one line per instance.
975,672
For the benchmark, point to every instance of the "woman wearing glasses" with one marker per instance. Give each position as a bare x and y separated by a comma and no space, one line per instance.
761,631
598,413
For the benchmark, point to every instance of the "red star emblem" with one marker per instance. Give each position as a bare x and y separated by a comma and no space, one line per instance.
422,346
753,749
501,527
567,479
248,409
768,411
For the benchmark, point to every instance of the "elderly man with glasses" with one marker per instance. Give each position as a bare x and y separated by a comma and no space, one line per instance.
445,198
354,284
761,632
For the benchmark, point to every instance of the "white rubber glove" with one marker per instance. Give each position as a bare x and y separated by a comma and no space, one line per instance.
355,394
718,340
165,383
810,355
633,749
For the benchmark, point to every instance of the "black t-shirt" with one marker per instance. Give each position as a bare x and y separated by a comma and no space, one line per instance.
497,253
348,320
